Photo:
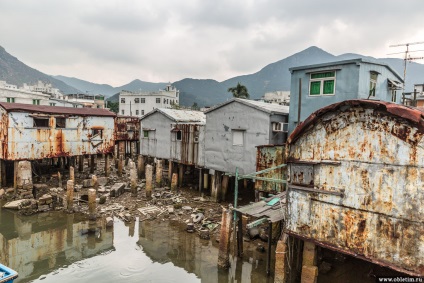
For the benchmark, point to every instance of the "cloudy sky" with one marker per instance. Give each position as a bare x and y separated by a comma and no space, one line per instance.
117,41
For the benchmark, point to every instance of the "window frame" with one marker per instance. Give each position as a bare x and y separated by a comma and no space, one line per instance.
373,82
137,100
142,100
179,135
157,100
41,121
10,99
36,102
122,100
243,132
322,81
60,125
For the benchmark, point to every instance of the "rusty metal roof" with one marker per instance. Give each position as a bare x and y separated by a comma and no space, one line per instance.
268,208
20,107
263,106
184,116
413,115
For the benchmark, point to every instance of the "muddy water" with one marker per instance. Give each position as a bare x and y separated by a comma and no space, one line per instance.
58,247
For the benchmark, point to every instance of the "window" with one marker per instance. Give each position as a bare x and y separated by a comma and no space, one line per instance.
142,112
136,112
98,133
61,123
179,135
373,83
122,111
36,101
136,100
11,99
146,134
41,122
322,83
143,100
238,137
52,104
122,100
393,91
157,100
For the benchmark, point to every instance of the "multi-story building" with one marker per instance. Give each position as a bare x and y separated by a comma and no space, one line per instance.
316,86
141,103
278,97
86,100
13,94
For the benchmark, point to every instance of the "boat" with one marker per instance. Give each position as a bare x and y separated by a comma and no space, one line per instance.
7,275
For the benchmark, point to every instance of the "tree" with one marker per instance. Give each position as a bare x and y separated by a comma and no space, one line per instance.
195,106
240,91
113,106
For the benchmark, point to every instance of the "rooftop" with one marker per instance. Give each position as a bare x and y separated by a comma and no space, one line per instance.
185,116
263,106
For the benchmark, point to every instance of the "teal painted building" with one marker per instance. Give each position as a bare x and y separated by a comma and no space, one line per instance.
319,85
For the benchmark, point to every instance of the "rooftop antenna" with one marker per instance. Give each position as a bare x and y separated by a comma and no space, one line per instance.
407,58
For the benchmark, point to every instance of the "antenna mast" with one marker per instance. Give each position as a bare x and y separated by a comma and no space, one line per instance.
407,58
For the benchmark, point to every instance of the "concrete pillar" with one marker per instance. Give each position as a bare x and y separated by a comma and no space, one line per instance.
95,182
72,173
180,175
133,179
224,185
149,179
214,191
140,166
107,165
159,173
70,195
81,163
59,178
280,261
92,204
224,239
174,181
309,261
120,165
92,163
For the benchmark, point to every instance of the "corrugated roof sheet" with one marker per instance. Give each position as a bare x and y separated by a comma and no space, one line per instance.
184,116
414,115
263,106
20,107
272,208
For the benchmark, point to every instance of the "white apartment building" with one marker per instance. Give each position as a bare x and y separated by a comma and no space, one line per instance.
13,94
278,97
141,103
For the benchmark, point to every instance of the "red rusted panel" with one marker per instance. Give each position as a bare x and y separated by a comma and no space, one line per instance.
127,128
268,156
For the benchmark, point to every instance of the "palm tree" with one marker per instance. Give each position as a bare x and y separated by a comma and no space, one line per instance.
240,91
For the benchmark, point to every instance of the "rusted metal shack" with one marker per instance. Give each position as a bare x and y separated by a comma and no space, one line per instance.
356,173
268,156
127,135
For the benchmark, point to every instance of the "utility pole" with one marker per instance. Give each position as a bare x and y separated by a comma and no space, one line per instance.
406,59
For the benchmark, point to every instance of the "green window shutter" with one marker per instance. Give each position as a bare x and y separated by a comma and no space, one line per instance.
315,88
329,87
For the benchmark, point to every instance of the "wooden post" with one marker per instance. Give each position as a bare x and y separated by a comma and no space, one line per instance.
205,181
3,173
268,260
280,260
59,178
140,166
107,165
174,181
224,239
180,175
170,165
15,175
149,179
159,173
200,179
120,165
72,174
92,163
92,204
213,187
81,163
70,195
225,180
239,235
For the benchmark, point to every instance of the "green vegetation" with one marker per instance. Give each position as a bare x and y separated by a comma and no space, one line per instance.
240,91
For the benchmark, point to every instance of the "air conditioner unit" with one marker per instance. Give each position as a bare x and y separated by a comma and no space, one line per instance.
280,127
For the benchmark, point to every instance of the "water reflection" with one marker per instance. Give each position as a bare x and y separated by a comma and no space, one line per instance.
35,245
167,242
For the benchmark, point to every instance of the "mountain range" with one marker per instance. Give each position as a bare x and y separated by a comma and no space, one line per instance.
205,92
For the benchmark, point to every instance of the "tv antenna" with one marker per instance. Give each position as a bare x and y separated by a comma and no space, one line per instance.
407,57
